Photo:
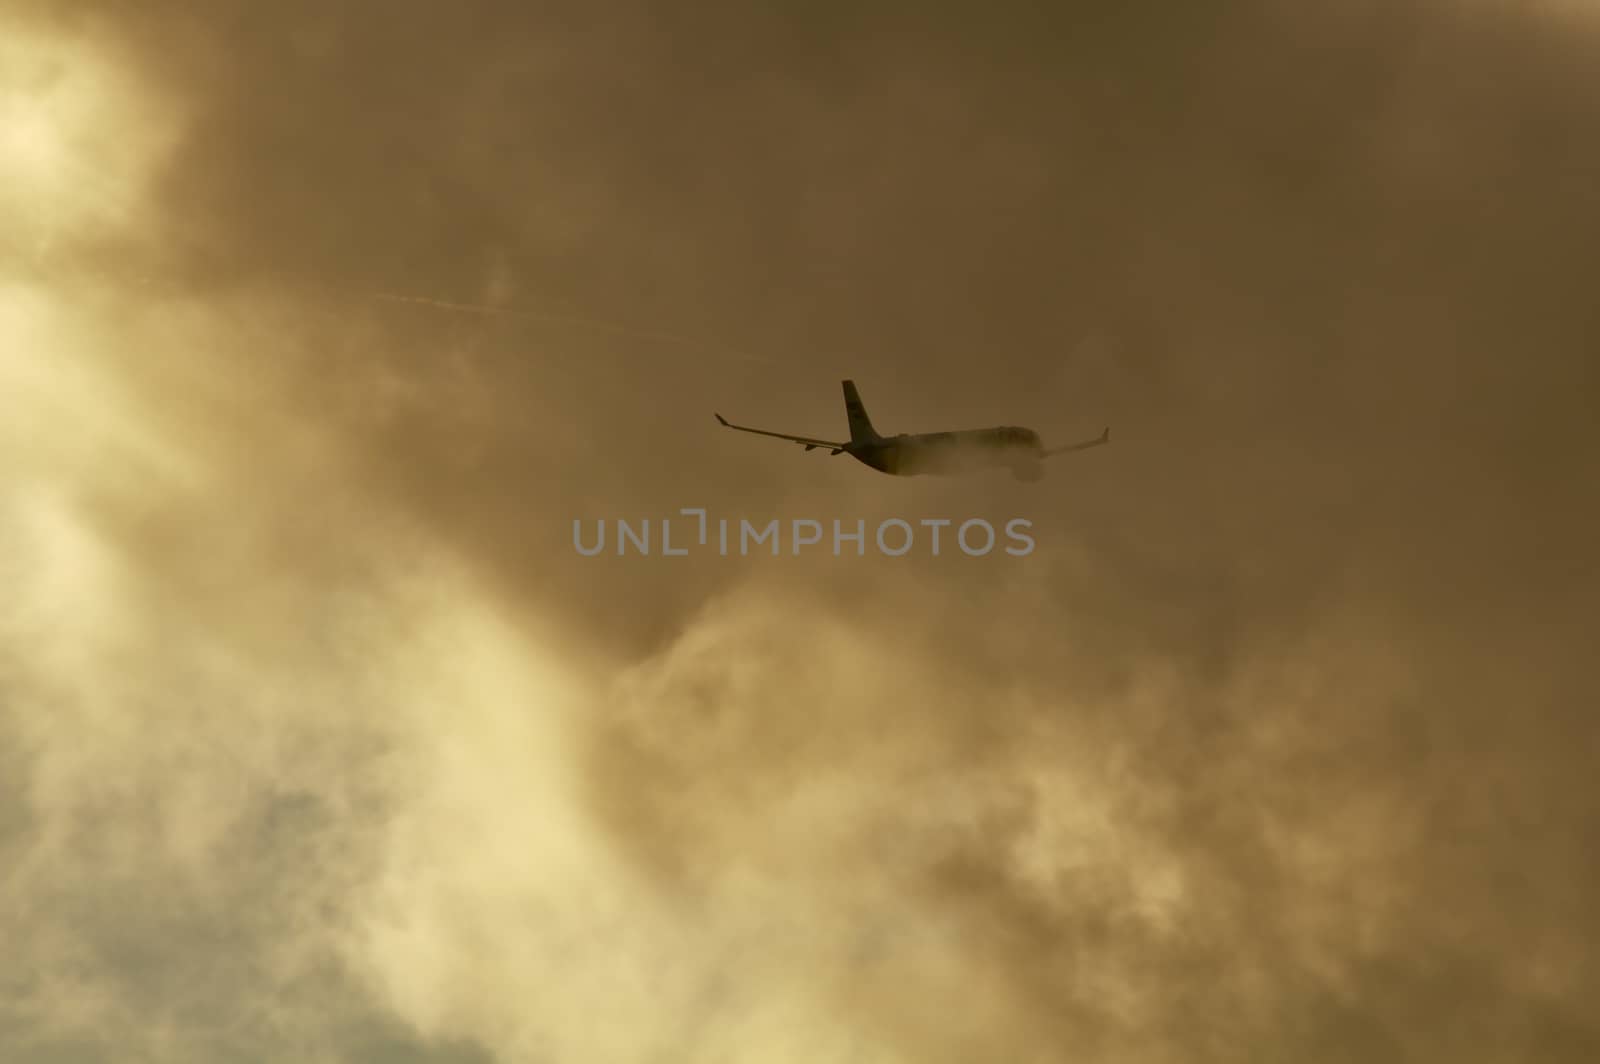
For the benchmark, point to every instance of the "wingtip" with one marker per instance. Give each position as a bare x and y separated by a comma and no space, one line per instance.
1105,437
720,419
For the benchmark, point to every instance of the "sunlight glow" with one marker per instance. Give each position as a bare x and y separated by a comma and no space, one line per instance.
79,137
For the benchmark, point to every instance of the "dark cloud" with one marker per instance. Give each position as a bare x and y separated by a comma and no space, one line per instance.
1277,746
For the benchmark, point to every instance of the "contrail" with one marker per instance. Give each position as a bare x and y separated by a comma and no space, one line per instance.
600,325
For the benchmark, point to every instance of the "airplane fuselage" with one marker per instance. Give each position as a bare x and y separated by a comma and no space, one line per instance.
945,453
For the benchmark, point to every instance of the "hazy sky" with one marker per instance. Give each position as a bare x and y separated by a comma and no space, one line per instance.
319,742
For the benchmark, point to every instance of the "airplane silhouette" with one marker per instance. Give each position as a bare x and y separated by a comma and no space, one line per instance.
937,453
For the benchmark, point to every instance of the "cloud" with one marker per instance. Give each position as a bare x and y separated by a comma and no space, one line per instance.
65,173
320,741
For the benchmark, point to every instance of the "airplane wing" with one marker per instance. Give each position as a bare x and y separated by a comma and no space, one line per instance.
809,443
1104,437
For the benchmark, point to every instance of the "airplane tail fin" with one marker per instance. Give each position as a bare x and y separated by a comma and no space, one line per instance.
861,430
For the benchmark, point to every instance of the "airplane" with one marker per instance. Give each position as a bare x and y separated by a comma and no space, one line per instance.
937,453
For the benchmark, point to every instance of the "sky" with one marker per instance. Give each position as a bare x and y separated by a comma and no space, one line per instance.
321,325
